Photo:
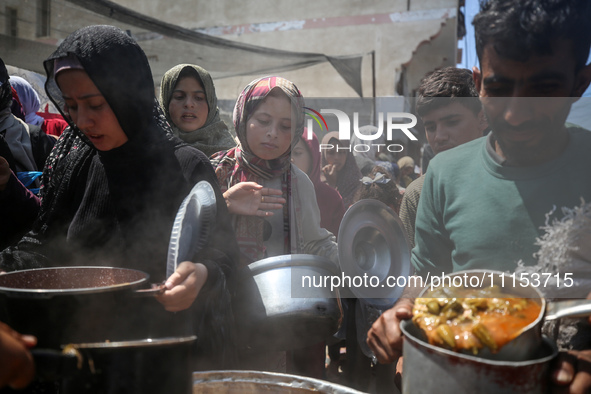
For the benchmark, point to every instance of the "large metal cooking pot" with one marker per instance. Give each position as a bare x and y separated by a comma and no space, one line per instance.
268,315
255,382
525,346
521,366
160,365
85,304
432,369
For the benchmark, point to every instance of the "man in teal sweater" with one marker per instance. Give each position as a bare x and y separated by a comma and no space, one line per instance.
483,203
477,212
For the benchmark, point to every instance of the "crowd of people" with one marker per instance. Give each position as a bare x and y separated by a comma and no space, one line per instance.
485,204
101,183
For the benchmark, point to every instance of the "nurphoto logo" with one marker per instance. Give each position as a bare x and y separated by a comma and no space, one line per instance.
345,129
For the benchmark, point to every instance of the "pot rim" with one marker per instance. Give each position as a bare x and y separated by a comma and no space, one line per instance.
146,342
19,292
289,261
270,381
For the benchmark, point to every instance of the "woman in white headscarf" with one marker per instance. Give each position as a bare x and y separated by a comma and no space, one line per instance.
30,103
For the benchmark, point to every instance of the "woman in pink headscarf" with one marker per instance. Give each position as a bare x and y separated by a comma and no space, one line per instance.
269,121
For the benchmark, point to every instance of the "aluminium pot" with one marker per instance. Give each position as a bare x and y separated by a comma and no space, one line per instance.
274,312
85,304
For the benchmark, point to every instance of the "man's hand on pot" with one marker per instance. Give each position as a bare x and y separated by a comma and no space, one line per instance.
572,373
384,337
183,286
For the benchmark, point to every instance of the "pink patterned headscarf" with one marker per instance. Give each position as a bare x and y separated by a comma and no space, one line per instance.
252,95
239,164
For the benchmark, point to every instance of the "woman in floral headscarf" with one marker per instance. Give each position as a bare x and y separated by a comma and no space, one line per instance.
269,121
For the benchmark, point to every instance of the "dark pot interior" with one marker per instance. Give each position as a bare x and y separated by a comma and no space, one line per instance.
85,304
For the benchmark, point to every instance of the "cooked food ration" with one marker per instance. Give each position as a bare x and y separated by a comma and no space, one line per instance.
470,319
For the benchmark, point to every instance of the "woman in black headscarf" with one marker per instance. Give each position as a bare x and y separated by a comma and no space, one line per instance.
117,176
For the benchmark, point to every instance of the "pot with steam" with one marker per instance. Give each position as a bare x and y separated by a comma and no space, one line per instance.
85,304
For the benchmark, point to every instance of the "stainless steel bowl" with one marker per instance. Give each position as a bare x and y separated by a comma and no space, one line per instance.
274,312
254,382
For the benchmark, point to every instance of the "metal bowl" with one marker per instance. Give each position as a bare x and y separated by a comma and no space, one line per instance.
254,382
275,312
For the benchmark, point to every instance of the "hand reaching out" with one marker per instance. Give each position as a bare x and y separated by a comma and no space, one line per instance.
183,286
250,198
572,372
330,174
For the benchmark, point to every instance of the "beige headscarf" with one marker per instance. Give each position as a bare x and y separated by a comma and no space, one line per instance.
213,136
406,161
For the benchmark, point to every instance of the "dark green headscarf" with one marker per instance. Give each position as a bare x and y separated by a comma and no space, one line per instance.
213,136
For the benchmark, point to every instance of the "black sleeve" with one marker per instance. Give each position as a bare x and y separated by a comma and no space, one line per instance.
213,314
41,144
18,210
34,250
222,247
6,153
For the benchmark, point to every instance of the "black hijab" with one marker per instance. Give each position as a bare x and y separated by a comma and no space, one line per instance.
121,203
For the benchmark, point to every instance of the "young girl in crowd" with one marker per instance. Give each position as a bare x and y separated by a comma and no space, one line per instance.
306,156
187,96
116,178
269,121
339,167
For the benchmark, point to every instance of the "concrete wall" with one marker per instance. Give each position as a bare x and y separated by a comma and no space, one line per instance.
419,34
332,27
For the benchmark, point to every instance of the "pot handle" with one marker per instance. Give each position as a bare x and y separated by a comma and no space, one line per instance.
51,365
157,288
560,309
